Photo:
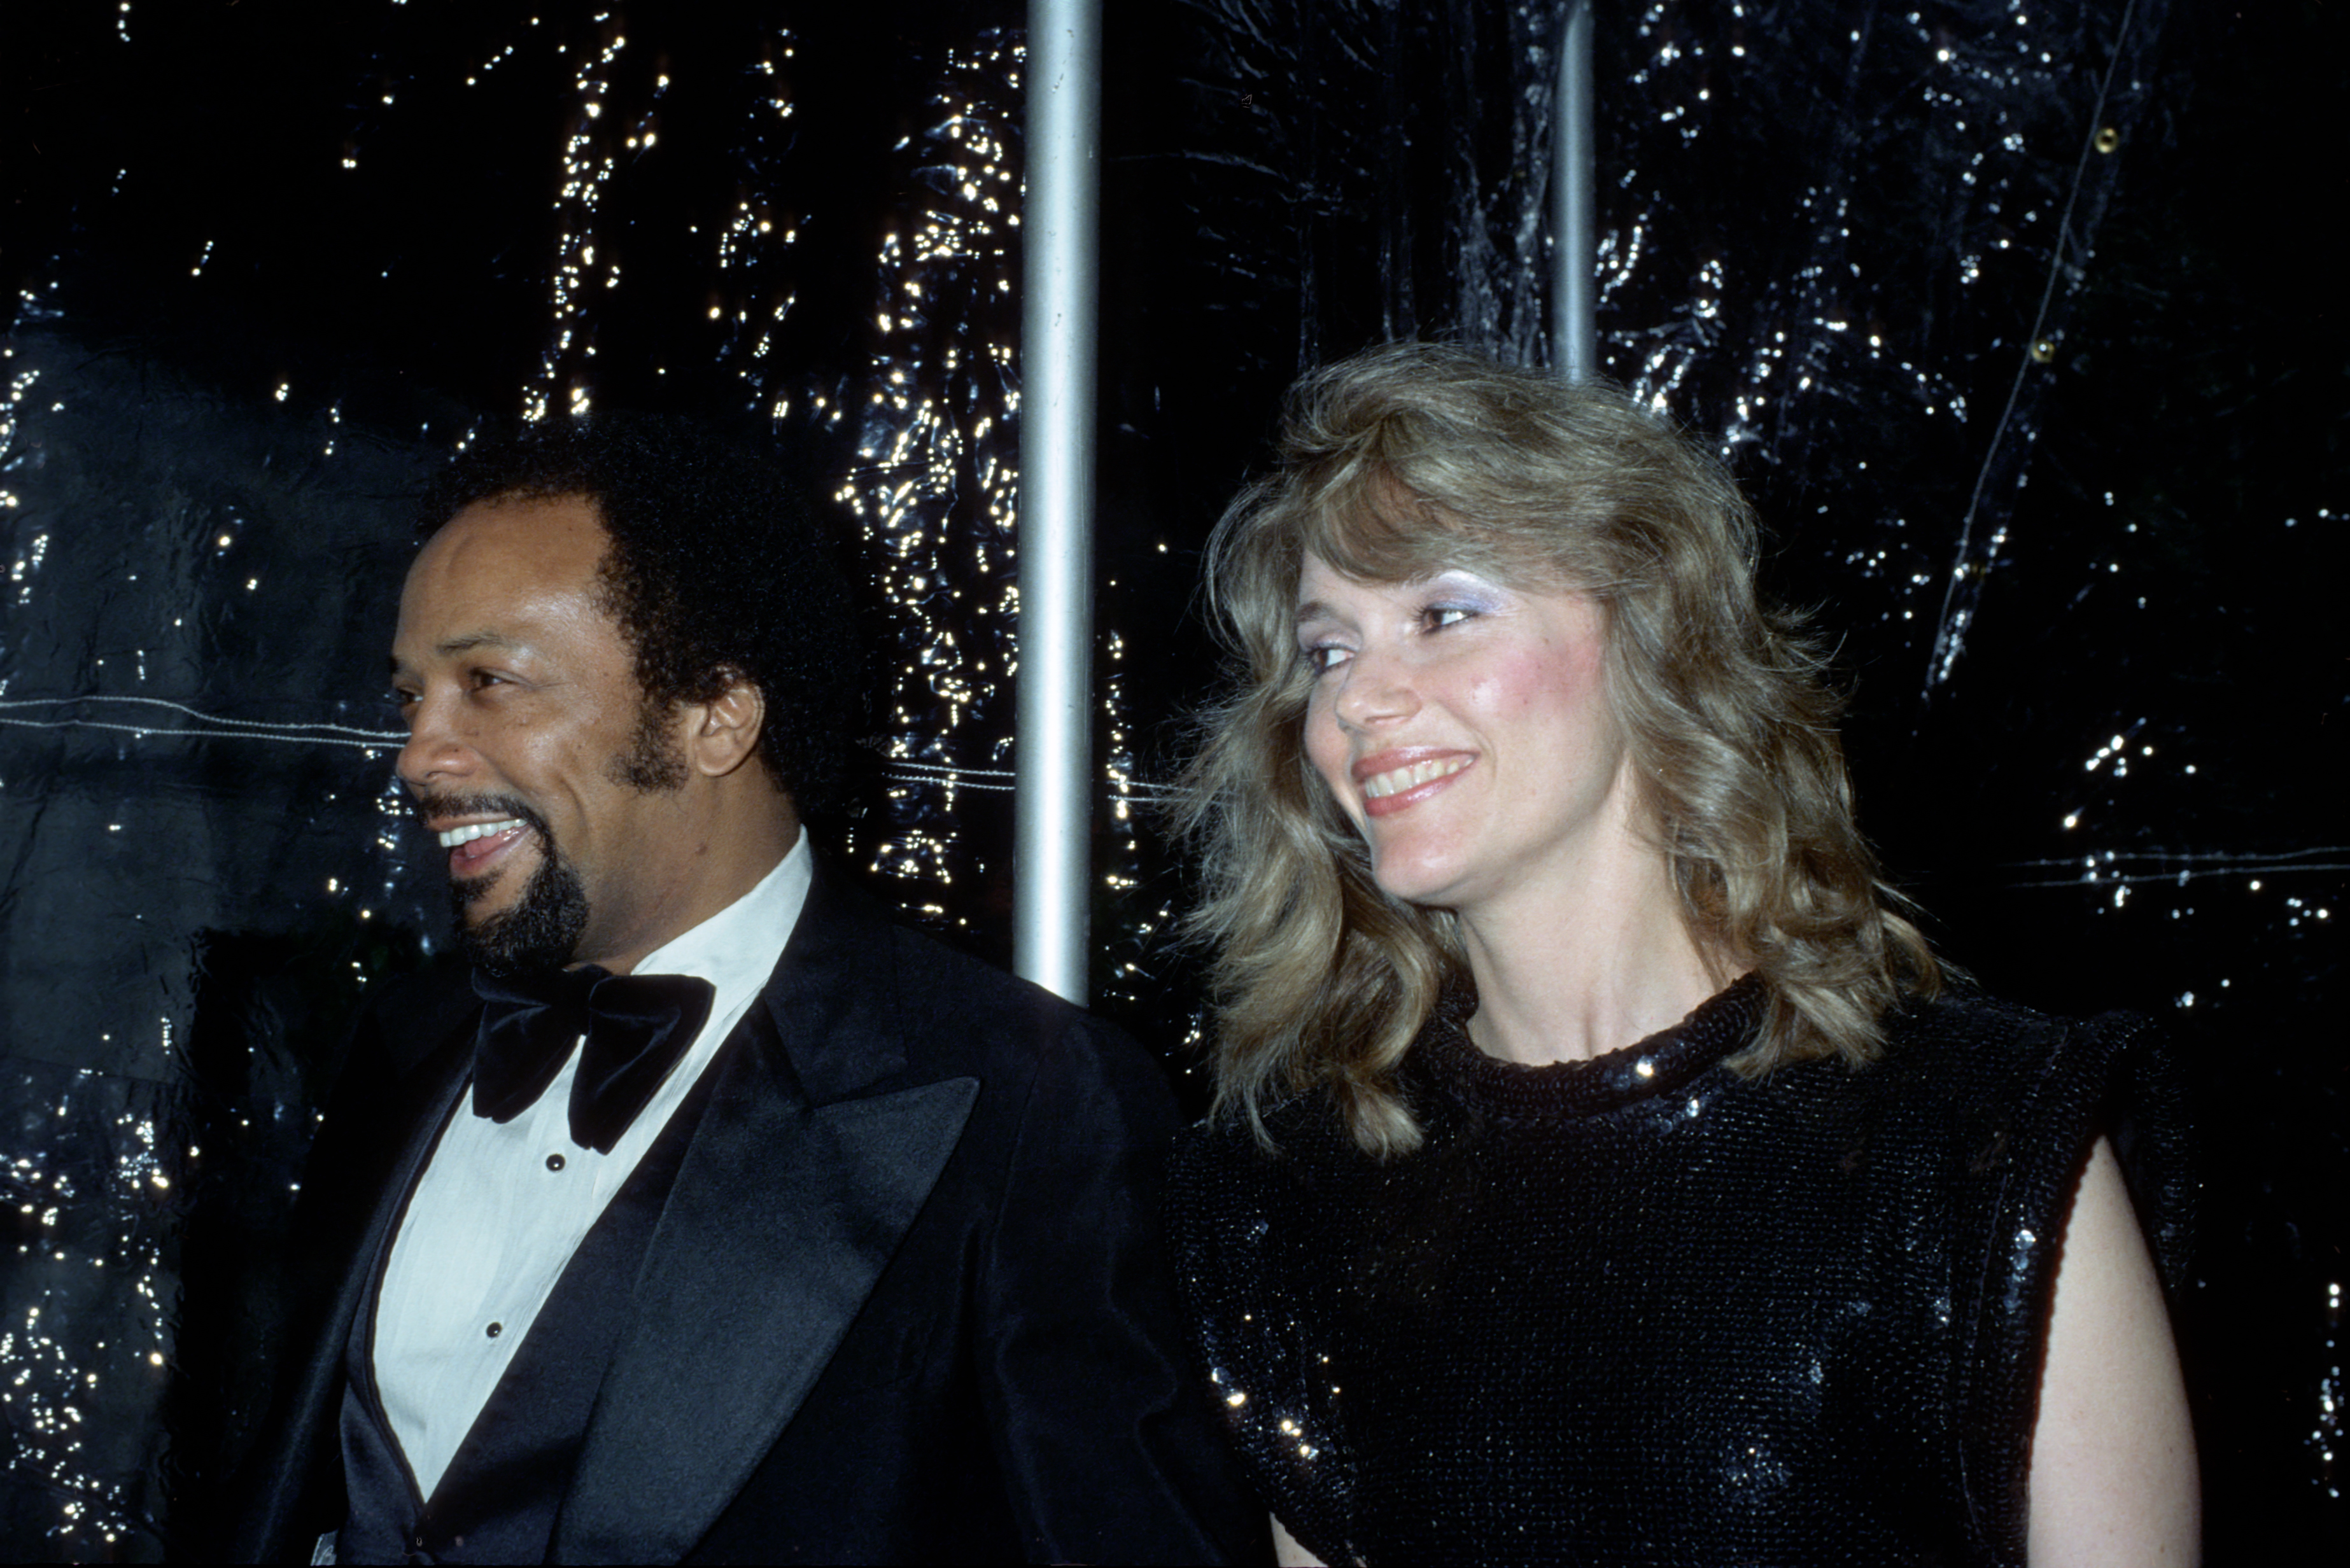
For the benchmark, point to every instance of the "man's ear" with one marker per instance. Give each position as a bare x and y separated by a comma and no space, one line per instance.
724,732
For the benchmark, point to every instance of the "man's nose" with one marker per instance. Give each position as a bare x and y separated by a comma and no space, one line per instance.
435,754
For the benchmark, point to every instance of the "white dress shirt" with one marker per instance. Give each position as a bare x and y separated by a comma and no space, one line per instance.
501,1207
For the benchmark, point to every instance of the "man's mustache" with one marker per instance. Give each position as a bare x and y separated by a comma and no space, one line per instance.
427,806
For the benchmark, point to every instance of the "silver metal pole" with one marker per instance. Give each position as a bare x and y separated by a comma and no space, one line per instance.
1574,246
1052,761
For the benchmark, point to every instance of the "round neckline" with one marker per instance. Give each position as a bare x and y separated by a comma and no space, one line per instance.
1718,1027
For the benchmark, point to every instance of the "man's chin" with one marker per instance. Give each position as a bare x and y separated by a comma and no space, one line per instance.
536,927
475,899
497,945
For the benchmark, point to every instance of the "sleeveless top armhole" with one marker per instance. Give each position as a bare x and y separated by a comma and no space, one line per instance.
2040,1096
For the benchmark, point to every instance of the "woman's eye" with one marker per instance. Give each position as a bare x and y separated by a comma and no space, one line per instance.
1442,616
1325,657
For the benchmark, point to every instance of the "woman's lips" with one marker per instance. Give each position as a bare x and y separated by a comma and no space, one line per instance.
1391,782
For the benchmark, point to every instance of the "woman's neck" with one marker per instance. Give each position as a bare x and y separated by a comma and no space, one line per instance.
1565,980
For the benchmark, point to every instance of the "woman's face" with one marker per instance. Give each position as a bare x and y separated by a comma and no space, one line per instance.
1464,725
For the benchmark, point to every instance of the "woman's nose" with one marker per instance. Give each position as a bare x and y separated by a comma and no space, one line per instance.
1375,688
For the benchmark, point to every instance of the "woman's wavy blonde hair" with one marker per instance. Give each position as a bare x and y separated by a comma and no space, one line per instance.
1416,458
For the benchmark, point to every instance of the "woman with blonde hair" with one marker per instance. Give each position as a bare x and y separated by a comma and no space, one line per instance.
1600,1169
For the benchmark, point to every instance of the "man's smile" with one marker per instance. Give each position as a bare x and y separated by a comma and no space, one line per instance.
451,838
473,846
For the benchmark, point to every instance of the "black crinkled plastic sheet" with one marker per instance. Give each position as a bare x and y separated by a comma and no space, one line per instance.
1997,308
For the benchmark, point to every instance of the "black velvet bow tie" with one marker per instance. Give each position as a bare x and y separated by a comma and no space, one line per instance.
637,1025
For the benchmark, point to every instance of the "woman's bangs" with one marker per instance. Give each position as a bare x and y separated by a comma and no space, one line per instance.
1373,528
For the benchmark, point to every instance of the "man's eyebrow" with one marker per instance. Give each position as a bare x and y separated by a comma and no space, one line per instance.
473,640
466,644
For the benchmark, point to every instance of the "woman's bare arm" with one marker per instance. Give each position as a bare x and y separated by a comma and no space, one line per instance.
2113,1458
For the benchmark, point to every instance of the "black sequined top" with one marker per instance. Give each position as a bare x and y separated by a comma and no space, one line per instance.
1642,1310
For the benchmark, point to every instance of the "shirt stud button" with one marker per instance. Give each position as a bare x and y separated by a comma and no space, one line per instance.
554,1162
497,1329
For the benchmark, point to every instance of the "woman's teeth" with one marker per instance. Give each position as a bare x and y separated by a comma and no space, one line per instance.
1379,786
466,834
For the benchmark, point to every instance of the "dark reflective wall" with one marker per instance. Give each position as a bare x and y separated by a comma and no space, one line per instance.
2012,317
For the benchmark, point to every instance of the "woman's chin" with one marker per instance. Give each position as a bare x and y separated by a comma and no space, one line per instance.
1429,887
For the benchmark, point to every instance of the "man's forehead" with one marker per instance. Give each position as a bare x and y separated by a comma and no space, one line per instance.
536,525
495,575
517,547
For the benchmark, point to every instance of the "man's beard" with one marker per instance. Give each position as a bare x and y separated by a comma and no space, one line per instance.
541,931
653,763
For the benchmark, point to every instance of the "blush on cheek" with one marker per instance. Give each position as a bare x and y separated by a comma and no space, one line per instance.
1570,678
1534,682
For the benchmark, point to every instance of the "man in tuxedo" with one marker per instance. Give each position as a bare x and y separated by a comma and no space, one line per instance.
707,1214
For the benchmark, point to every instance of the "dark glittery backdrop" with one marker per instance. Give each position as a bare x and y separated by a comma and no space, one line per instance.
2012,315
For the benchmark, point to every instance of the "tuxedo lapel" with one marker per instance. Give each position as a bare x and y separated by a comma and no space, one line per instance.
385,1119
804,1176
436,1093
394,1122
383,1128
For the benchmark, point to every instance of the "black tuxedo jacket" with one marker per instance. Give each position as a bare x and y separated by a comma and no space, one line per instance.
906,1302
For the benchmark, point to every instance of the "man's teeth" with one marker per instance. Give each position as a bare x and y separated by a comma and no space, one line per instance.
466,834
1379,786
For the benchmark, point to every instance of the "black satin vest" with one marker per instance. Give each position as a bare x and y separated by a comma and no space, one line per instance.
500,1497
1644,1310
